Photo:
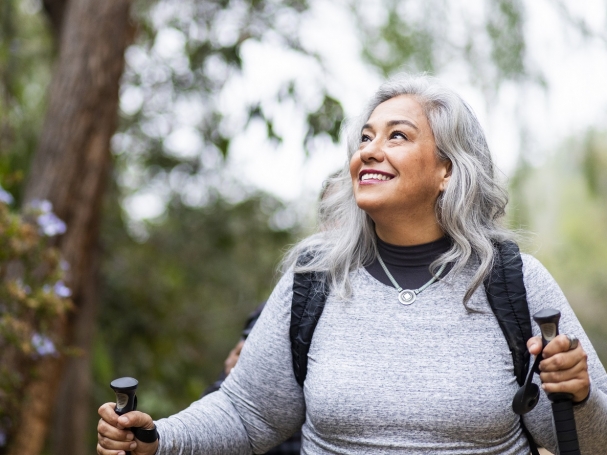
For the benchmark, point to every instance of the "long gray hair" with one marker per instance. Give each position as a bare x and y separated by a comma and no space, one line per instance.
468,211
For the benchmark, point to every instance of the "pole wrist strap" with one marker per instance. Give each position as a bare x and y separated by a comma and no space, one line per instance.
146,435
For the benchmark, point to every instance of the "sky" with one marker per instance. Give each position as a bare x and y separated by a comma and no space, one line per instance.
575,97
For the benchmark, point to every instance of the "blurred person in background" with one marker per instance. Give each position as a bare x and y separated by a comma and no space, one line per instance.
417,206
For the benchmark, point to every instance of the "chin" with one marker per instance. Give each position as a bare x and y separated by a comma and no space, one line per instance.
369,205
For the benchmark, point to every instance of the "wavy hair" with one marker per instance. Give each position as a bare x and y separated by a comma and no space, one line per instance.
469,210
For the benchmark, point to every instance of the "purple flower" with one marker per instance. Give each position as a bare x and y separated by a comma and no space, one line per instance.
64,265
62,290
26,288
43,345
2,438
50,225
5,196
41,205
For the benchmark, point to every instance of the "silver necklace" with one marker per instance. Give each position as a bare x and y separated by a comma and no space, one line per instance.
408,296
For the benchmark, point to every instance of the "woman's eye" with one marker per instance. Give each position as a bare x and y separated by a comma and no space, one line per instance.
398,135
365,138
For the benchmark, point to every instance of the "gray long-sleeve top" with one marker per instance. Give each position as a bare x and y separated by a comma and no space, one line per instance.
383,378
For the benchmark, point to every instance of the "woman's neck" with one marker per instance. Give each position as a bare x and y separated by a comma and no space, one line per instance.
408,234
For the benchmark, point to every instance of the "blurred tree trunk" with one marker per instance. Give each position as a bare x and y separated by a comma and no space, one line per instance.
70,169
55,11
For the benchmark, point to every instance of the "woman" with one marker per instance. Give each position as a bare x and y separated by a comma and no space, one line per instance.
418,200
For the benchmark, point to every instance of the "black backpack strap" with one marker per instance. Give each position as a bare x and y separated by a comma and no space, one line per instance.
532,444
507,297
310,292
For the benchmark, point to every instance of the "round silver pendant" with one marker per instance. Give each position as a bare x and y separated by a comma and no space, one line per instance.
407,297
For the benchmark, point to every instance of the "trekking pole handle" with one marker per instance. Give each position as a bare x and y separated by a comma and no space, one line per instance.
562,403
126,398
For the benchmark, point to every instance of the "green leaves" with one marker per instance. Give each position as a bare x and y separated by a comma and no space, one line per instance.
505,28
327,119
400,41
26,52
439,35
173,306
594,163
562,201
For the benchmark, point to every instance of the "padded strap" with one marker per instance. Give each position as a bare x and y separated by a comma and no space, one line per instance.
505,287
310,292
532,445
506,293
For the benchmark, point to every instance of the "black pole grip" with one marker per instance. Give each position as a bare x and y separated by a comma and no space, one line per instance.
126,398
564,424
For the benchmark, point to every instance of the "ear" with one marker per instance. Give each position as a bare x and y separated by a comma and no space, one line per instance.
445,174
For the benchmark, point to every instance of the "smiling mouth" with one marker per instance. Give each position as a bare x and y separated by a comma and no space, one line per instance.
375,176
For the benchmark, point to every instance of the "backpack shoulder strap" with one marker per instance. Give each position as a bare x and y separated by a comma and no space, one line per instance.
310,292
507,297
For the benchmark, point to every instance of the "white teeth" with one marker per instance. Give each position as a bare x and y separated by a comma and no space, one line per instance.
375,177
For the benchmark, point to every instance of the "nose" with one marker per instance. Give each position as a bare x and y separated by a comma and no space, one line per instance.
372,151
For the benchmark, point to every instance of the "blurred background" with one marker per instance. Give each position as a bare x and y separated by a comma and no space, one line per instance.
158,157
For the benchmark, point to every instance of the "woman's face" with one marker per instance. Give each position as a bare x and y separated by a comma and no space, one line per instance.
396,172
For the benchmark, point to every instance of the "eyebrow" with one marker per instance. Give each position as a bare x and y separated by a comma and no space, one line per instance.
394,123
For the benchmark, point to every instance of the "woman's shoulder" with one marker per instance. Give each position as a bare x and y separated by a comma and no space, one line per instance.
534,270
285,282
542,289
530,262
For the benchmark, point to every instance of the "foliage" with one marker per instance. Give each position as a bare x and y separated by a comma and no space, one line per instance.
594,164
26,54
435,35
32,297
173,306
400,35
563,203
174,125
505,28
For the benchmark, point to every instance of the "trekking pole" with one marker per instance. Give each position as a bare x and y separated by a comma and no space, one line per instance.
562,403
126,400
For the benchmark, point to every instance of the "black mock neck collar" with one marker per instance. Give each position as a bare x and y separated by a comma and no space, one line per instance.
412,256
409,265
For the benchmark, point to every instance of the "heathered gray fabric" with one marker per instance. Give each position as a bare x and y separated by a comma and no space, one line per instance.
384,378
